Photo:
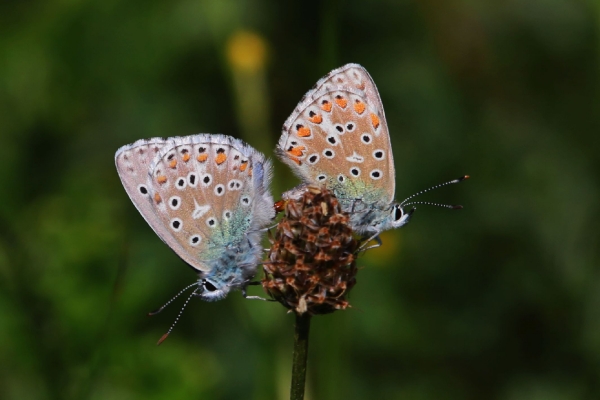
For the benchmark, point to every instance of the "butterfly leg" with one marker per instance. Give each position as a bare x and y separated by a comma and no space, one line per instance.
374,237
245,293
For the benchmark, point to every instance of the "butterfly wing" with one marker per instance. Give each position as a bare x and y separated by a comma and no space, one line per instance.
205,193
338,136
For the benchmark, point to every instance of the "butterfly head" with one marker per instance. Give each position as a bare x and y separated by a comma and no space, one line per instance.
211,290
399,217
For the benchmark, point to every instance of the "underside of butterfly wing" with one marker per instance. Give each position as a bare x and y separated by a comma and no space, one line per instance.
211,193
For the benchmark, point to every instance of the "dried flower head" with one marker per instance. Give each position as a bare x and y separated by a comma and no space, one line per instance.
311,266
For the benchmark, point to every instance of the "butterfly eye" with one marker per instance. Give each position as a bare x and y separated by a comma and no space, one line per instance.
397,213
208,286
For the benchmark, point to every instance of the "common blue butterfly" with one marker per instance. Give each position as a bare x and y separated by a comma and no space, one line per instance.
207,197
338,137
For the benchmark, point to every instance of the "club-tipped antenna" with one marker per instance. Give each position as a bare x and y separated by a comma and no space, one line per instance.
462,178
428,203
174,297
163,337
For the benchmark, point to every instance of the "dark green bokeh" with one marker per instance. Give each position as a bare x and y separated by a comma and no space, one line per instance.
498,301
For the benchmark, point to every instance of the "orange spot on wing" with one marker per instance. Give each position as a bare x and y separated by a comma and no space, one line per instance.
375,120
340,101
297,151
326,106
303,131
186,157
161,179
359,107
157,198
221,157
202,157
244,166
317,119
173,163
296,160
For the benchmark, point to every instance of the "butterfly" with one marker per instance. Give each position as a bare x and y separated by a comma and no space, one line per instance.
338,137
207,197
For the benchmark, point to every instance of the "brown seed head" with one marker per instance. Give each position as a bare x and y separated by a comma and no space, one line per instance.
311,266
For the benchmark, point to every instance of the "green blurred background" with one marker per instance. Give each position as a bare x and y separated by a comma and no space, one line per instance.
498,301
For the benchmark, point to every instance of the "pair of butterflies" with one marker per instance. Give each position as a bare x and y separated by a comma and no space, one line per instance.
207,196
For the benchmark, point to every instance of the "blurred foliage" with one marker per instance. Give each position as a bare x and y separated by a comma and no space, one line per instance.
498,301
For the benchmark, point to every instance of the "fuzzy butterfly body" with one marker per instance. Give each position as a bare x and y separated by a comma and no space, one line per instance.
338,137
207,197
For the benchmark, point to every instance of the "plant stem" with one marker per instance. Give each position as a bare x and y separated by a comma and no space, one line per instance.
300,356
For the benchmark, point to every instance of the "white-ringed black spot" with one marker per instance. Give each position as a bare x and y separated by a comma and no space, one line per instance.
366,138
350,127
328,153
176,224
220,189
339,128
143,190
376,174
332,140
181,183
245,200
175,202
355,171
226,214
211,222
206,180
293,143
341,178
195,240
313,158
379,154
321,177
192,179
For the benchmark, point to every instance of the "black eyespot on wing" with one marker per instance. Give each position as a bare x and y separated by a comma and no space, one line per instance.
143,190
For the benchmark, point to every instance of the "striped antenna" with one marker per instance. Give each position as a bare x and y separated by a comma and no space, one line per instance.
163,337
450,206
174,297
462,178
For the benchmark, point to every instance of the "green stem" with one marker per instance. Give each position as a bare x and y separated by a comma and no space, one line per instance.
300,356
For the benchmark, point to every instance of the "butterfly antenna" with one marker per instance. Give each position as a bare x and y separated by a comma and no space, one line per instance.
462,178
163,337
450,206
170,301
